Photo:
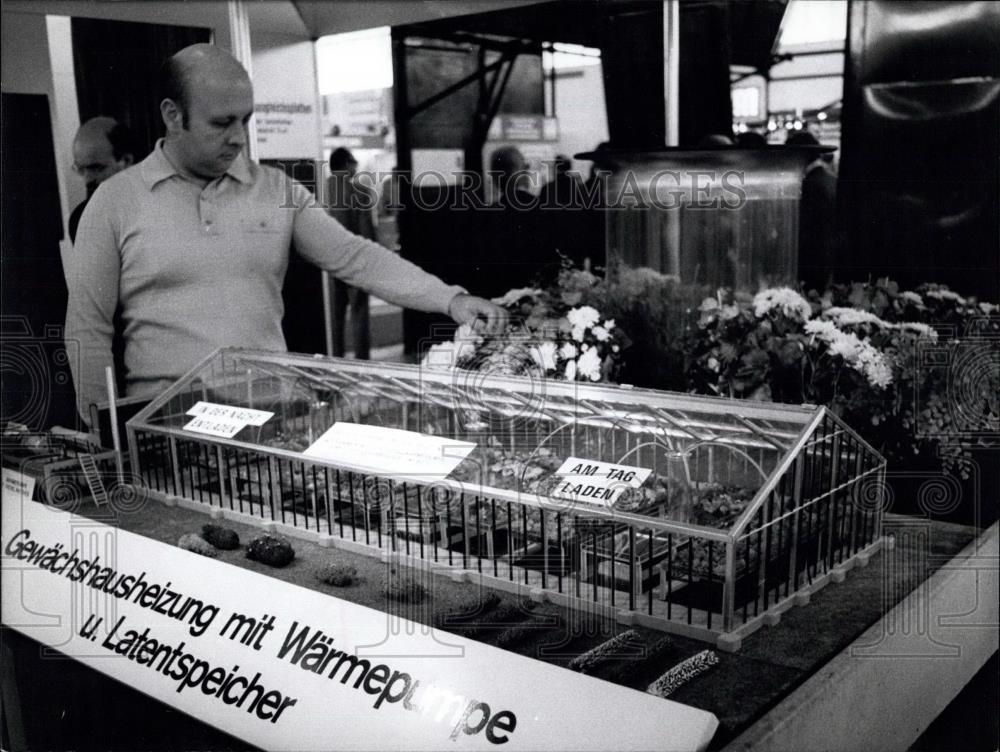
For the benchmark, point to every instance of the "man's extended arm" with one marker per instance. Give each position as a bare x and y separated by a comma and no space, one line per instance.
367,265
92,268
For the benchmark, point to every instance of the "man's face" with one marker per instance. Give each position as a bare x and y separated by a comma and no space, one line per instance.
94,160
216,132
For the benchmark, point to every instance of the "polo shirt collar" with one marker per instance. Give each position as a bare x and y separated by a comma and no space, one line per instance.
157,168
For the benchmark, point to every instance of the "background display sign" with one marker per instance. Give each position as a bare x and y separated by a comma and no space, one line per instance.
288,668
286,106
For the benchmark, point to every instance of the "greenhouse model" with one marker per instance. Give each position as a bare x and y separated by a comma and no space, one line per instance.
701,516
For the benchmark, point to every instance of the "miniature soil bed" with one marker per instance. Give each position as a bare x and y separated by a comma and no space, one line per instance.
771,663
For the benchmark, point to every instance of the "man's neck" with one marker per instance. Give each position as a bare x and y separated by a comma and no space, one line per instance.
169,151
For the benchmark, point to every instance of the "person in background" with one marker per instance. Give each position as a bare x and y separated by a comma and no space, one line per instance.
509,171
564,188
351,204
563,214
514,250
817,216
194,242
595,200
101,148
389,206
715,141
751,140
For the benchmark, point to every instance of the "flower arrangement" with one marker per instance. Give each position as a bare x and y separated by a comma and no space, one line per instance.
858,350
551,334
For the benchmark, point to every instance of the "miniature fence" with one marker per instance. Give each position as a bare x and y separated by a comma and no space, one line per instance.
708,581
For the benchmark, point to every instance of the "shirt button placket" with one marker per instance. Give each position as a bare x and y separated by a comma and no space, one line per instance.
207,212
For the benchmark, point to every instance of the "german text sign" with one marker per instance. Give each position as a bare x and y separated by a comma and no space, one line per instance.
224,420
284,667
596,482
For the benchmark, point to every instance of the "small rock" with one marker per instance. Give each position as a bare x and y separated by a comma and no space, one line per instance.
336,574
196,544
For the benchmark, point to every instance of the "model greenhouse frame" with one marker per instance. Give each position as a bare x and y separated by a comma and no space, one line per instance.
749,507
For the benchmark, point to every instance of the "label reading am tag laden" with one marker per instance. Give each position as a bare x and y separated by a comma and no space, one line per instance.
596,482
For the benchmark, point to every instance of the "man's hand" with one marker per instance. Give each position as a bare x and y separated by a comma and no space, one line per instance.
482,315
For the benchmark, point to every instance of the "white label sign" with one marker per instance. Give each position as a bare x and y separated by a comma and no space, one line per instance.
17,486
596,482
390,451
215,426
246,415
287,668
224,420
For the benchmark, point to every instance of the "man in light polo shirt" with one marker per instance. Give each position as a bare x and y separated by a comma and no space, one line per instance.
194,242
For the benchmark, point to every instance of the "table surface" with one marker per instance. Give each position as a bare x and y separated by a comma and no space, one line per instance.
740,689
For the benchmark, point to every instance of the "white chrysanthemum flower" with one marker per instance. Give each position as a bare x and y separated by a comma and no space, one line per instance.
609,324
601,334
946,295
568,351
544,354
988,308
442,356
589,365
790,302
570,372
513,296
466,342
465,333
582,318
921,330
873,365
822,329
846,346
854,316
911,297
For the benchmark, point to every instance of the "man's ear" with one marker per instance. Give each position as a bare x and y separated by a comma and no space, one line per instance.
172,116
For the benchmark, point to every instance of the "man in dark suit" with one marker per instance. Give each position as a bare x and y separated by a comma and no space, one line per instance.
817,217
101,148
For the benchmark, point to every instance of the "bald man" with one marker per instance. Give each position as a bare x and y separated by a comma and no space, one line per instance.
194,241
102,147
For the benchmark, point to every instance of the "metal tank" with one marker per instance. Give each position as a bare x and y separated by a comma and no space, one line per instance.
724,217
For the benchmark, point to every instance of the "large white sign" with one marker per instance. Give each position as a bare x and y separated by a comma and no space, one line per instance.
390,451
283,667
285,100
